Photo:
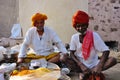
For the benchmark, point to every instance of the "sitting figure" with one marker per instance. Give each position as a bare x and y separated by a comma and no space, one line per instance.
41,39
84,48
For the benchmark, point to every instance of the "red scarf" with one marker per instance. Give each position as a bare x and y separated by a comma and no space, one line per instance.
87,44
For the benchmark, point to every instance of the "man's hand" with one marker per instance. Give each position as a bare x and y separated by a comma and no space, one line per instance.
103,59
96,69
84,68
63,57
20,60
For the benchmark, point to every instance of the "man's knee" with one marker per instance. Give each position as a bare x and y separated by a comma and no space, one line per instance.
63,57
113,60
110,62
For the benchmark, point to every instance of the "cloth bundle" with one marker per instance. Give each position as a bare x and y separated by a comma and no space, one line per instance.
52,72
32,56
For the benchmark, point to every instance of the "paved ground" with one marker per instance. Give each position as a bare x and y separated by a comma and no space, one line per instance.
111,74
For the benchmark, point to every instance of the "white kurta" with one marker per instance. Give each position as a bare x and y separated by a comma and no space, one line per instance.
99,46
42,45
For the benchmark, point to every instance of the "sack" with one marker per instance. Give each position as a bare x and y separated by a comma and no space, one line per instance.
2,76
7,67
16,32
52,72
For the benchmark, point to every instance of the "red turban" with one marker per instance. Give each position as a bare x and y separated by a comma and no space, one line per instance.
80,17
38,16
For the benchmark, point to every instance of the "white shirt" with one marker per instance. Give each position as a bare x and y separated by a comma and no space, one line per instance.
99,46
42,45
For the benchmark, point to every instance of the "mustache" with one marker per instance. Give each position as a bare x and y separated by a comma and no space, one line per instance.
40,28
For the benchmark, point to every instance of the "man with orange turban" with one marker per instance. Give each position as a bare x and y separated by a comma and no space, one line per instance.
84,47
41,39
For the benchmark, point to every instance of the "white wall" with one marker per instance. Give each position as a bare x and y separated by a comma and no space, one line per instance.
9,12
59,14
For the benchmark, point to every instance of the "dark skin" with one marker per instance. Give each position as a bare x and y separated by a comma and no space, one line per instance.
105,61
39,24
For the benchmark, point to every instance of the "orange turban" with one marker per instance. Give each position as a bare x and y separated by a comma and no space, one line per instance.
38,16
80,17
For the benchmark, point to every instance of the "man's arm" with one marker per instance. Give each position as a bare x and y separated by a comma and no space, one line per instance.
22,53
103,59
79,63
24,47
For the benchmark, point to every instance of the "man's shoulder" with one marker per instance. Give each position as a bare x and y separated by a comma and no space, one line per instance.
95,34
49,30
32,29
76,34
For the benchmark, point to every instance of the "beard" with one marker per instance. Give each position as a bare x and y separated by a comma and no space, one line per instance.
40,28
82,32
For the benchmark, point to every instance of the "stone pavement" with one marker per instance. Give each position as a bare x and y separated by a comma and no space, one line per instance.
113,73
110,74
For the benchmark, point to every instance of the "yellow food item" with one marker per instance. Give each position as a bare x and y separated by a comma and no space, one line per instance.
51,55
34,56
15,72
42,69
39,71
37,74
25,72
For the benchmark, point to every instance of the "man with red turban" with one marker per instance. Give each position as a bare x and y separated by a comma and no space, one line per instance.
84,47
41,39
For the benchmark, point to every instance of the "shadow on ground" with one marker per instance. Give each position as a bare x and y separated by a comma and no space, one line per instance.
111,74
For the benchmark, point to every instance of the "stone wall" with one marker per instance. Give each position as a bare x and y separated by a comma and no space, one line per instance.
59,14
105,18
9,12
